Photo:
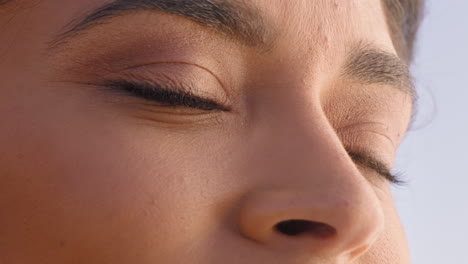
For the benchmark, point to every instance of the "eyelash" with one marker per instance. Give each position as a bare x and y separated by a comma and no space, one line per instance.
396,179
369,162
393,177
165,96
180,98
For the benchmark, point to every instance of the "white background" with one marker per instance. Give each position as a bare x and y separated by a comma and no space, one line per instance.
434,155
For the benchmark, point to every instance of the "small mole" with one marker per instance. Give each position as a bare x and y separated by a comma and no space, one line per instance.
20,156
335,3
62,243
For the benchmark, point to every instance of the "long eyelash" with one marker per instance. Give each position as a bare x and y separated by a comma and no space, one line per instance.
374,164
165,96
397,178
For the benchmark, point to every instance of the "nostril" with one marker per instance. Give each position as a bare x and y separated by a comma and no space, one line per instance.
299,227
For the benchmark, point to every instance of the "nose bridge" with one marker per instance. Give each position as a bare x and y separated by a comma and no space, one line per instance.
300,141
307,175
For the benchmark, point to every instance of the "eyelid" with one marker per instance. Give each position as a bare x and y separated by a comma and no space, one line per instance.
376,127
369,161
166,95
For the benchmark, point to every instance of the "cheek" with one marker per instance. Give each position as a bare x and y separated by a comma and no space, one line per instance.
391,246
85,180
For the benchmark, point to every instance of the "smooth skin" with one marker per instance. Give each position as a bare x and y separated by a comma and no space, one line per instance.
91,175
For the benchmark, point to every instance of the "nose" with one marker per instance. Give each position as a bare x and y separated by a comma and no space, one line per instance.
326,225
316,200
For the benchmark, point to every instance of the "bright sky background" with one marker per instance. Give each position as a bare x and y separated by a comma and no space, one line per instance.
434,156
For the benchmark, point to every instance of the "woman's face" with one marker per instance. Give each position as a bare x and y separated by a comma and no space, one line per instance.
178,131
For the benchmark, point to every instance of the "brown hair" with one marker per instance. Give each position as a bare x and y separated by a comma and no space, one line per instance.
404,17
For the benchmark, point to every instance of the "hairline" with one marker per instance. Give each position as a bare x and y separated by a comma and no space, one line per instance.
403,21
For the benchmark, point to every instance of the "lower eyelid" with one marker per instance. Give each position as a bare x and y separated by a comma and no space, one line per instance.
153,115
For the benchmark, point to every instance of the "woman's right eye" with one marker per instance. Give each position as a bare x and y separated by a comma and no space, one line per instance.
165,96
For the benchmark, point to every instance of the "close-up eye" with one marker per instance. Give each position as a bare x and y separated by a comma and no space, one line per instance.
170,97
369,162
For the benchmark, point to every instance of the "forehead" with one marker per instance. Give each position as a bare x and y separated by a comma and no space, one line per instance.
319,30
327,29
310,37
330,18
324,23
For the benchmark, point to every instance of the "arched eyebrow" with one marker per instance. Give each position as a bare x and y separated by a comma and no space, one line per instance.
368,65
234,20
244,23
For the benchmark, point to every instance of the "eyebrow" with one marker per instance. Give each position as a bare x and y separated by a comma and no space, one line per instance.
244,23
234,20
370,65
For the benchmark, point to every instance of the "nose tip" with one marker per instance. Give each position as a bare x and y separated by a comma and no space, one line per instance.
327,225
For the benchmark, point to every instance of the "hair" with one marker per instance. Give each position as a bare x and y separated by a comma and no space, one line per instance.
404,18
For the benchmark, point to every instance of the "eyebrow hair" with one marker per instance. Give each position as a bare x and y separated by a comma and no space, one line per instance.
370,65
244,23
234,20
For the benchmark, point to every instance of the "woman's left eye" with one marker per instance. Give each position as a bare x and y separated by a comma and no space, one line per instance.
374,164
165,96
